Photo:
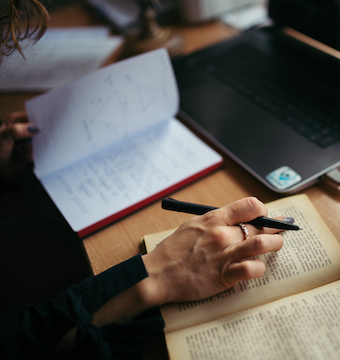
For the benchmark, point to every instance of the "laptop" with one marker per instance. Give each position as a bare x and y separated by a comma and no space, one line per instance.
269,100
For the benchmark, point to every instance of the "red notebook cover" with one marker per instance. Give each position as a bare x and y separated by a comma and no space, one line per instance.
100,224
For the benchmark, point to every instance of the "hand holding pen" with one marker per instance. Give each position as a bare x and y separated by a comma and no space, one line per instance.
197,209
210,253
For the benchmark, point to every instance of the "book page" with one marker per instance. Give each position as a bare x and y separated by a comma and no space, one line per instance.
127,174
309,258
108,106
152,240
303,326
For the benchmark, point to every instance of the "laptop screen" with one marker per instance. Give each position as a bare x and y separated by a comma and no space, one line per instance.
319,19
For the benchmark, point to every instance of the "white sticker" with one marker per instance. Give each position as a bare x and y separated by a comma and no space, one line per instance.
283,177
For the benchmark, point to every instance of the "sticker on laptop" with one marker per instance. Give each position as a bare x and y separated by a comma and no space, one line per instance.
283,177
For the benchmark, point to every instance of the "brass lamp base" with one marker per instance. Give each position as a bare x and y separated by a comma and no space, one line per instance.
165,39
152,37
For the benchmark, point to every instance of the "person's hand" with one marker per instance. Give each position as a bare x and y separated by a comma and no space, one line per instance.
15,143
203,257
209,254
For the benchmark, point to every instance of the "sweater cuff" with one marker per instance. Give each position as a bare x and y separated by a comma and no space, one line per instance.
98,290
118,341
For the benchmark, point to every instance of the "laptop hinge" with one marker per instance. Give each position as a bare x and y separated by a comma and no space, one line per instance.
311,42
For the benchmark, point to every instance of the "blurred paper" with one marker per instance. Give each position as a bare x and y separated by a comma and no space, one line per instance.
245,17
60,56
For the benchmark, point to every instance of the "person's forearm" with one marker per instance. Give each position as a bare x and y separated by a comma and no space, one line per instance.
122,308
204,256
127,305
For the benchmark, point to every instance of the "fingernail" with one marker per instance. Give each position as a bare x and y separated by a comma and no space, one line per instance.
289,220
33,129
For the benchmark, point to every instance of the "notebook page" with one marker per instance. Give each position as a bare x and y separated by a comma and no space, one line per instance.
125,175
92,113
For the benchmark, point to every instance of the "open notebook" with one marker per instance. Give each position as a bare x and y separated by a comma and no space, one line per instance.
110,143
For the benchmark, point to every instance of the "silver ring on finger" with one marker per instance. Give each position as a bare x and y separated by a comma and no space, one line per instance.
244,230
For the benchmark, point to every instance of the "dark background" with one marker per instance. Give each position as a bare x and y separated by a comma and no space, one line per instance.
40,255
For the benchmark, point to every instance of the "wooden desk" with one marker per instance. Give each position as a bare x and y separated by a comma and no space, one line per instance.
121,240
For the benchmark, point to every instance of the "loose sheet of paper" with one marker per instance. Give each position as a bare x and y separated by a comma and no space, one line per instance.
108,106
60,56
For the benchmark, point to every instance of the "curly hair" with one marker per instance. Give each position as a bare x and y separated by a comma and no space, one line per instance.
19,20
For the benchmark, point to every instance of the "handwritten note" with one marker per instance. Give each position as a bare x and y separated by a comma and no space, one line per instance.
105,107
121,176
110,140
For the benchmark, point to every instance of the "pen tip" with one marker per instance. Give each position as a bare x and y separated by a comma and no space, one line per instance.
300,228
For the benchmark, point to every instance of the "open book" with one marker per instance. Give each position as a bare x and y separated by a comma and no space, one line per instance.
291,312
110,143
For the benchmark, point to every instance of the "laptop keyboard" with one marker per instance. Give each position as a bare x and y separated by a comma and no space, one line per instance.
302,103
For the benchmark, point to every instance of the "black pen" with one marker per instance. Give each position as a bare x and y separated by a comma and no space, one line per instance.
196,209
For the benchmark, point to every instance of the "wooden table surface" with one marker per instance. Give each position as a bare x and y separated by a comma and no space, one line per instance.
122,239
